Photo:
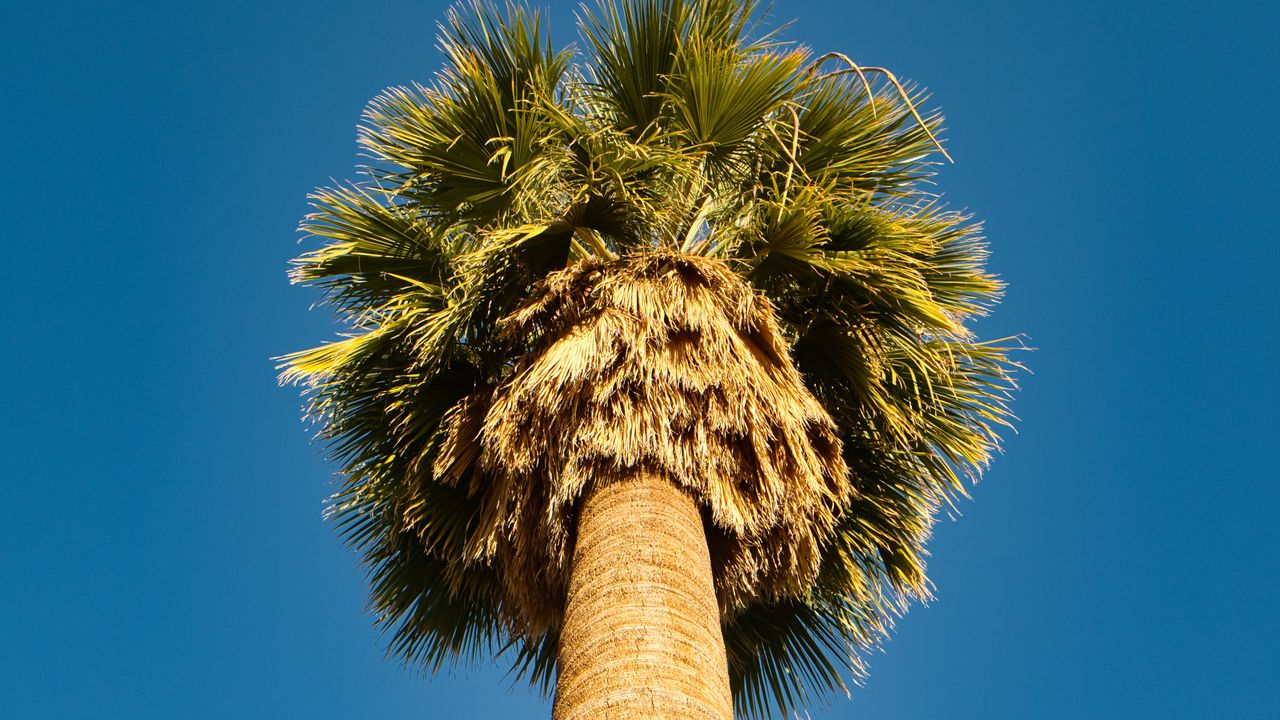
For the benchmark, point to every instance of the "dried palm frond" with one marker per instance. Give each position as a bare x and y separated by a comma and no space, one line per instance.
665,362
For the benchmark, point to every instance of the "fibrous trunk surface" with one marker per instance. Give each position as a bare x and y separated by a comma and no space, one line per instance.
641,636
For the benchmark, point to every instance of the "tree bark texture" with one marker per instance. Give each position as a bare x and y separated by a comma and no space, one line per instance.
641,637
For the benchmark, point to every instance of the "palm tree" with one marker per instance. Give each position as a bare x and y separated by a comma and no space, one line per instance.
658,369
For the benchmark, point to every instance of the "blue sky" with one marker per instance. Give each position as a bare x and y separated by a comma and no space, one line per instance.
163,553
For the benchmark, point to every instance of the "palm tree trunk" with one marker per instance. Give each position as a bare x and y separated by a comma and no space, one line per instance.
641,636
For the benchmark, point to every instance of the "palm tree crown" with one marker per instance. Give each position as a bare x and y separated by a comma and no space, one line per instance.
689,247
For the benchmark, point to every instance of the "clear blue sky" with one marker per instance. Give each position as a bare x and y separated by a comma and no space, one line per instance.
162,553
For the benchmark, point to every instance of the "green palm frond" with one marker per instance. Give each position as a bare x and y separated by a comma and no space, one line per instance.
634,48
679,128
378,249
785,656
466,147
868,142
718,96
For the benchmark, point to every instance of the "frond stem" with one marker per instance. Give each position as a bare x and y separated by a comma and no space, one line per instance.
592,240
793,152
862,73
577,250
866,84
704,209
